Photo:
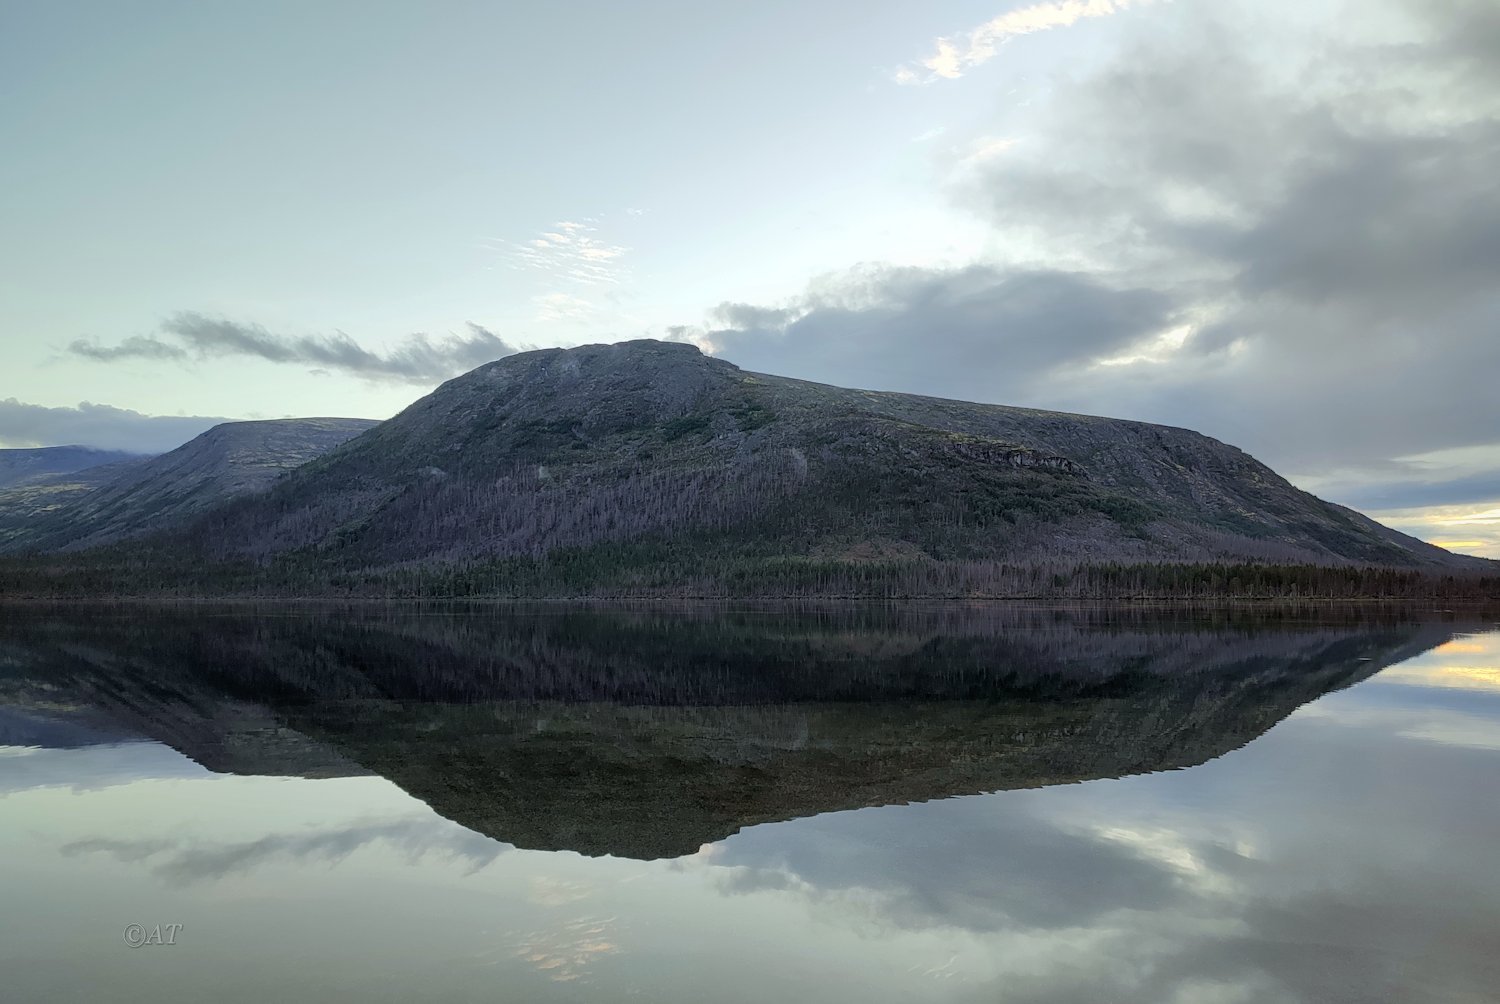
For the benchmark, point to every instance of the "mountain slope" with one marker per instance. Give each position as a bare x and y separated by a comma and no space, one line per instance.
139,496
611,445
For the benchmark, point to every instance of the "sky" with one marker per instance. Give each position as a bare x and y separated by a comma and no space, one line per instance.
1273,222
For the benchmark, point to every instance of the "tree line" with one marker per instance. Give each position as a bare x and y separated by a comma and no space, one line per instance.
669,569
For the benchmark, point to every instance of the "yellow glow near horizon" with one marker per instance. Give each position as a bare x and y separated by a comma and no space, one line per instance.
1468,647
1475,665
1468,529
1485,678
1487,516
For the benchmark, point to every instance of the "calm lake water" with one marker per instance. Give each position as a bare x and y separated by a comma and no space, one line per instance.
464,804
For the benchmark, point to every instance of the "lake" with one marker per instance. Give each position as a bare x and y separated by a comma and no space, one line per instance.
461,803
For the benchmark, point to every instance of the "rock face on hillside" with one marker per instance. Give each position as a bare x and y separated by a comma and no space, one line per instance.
138,496
611,445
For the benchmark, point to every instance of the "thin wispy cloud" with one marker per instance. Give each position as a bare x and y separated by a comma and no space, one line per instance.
418,358
563,307
187,862
954,55
984,149
571,251
580,270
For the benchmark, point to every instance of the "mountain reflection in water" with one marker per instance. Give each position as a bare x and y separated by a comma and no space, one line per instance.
379,805
647,734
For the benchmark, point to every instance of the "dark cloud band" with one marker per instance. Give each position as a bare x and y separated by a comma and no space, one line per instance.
417,359
96,425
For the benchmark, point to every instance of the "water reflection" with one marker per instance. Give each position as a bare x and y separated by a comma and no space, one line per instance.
1345,854
871,707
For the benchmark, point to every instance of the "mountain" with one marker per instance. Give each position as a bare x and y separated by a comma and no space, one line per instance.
647,442
125,499
647,468
615,732
27,466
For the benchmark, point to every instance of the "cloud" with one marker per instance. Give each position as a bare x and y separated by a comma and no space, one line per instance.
1472,529
563,307
986,148
1335,237
1048,878
97,425
86,767
134,347
187,862
417,359
953,55
1286,239
584,273
1375,492
570,252
566,952
979,332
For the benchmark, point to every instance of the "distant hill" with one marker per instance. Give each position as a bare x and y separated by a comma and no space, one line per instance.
47,480
106,503
24,466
